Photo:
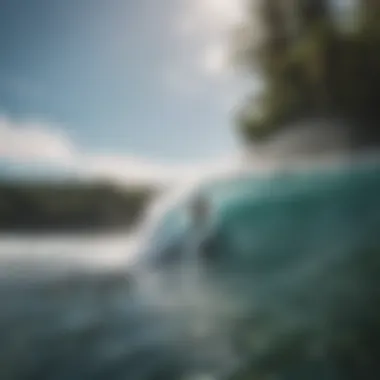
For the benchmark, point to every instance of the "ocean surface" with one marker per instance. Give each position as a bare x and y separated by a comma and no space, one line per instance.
300,300
67,312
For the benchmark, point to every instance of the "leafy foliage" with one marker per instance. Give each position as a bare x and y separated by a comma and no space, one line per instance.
311,67
69,205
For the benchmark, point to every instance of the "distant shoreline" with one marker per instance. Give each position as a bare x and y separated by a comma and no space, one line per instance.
67,208
92,230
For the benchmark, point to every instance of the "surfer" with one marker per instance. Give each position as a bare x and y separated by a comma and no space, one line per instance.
202,226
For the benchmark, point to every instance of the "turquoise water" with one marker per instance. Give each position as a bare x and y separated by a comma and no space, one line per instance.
294,258
288,288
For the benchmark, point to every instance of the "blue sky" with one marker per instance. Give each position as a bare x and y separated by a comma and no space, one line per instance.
131,89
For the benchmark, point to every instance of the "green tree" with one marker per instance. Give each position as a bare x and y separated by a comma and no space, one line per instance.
61,206
311,67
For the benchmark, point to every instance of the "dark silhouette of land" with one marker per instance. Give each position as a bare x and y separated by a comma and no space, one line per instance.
69,206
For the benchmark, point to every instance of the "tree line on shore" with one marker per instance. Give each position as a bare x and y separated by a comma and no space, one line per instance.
70,205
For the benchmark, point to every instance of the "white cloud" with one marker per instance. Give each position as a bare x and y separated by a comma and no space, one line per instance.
34,141
31,142
136,169
127,169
